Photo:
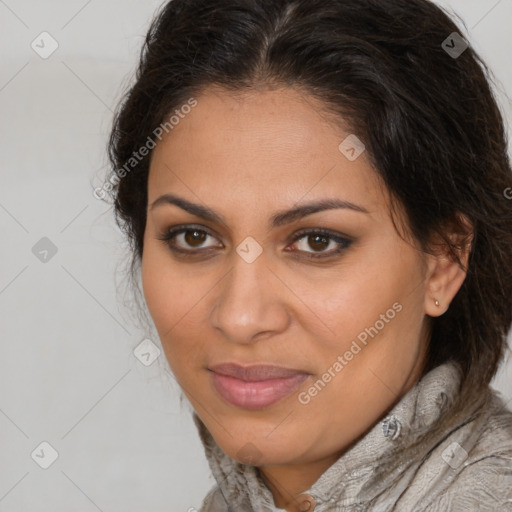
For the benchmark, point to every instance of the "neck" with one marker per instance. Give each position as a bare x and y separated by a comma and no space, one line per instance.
287,482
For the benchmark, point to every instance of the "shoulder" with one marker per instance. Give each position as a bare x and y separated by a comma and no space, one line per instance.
479,469
214,501
469,467
483,486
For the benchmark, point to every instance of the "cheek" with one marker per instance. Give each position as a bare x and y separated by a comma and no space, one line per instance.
373,313
164,290
343,304
153,285
175,303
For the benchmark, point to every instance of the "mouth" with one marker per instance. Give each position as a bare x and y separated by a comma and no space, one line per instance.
255,387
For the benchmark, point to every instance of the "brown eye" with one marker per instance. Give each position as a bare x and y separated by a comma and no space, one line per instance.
195,237
189,240
320,243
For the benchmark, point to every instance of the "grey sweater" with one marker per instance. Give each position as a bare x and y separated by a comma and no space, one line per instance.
430,454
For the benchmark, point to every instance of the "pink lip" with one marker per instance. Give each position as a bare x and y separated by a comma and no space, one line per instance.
255,387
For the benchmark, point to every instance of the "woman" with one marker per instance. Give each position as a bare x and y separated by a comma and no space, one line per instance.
315,193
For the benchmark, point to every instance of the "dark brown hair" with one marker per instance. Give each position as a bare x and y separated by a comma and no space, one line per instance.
428,118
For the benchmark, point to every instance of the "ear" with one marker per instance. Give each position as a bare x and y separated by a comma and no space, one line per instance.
445,275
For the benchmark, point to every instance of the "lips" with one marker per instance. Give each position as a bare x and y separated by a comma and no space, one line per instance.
257,386
254,373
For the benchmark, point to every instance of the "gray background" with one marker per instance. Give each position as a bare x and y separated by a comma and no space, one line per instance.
68,374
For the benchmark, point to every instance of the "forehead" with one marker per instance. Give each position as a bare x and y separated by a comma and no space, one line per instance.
264,143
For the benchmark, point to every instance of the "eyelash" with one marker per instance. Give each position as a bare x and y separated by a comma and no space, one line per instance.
344,242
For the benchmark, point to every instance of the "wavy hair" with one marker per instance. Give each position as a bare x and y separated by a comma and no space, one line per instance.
429,120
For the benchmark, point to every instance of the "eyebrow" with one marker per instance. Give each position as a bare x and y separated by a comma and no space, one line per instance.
278,219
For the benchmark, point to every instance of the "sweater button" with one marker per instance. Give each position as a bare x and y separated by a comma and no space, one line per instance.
306,503
391,427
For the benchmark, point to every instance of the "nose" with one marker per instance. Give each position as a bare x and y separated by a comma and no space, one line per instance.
251,303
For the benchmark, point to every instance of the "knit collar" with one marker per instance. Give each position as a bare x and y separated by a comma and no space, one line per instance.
370,467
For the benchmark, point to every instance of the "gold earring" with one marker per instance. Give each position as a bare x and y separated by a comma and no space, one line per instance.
436,302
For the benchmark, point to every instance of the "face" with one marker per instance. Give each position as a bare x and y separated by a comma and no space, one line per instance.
251,276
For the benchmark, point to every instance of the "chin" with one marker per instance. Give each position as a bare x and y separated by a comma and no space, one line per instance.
261,451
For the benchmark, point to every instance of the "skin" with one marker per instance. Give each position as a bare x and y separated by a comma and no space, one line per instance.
248,157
